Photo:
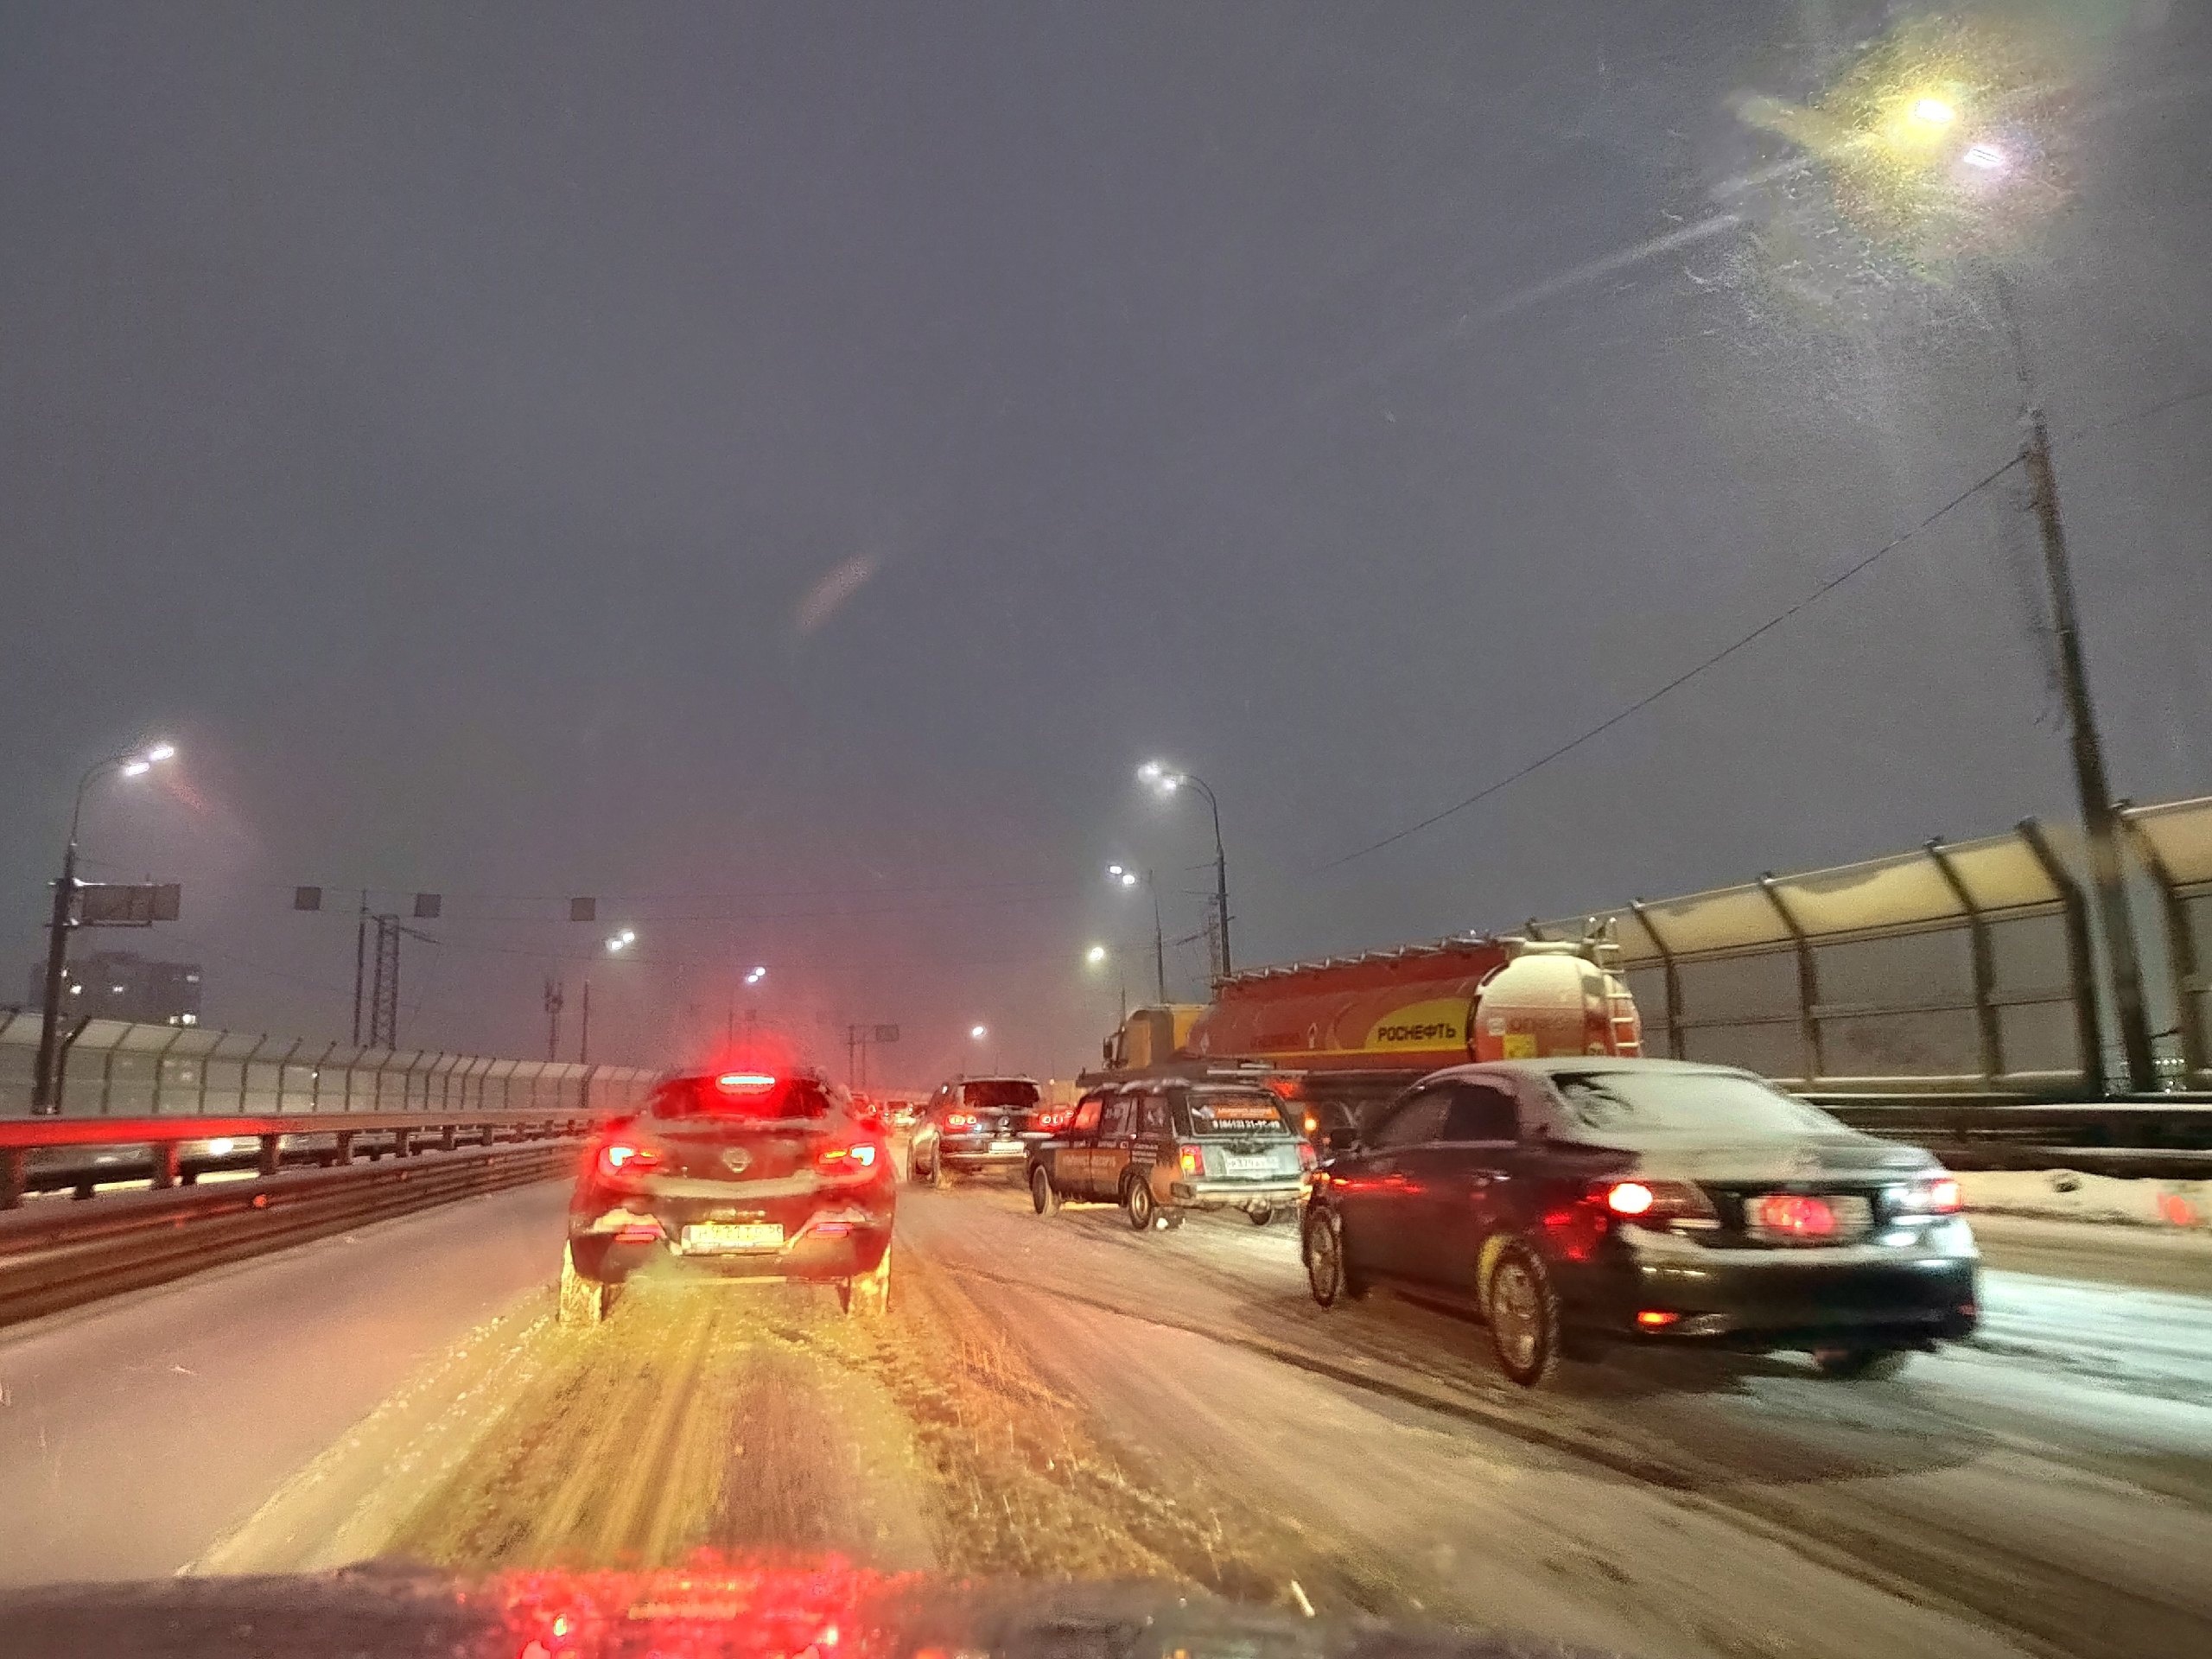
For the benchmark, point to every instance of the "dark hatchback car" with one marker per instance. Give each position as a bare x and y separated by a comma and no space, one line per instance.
1578,1202
734,1175
978,1126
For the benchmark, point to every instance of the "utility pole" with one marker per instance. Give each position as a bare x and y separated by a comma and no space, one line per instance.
1159,944
553,998
2100,816
360,955
584,1041
46,1096
2101,821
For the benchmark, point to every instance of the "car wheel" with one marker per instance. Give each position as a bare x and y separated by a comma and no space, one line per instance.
1137,1204
1260,1215
934,1175
1873,1364
868,1295
584,1300
1523,1316
1042,1193
1324,1249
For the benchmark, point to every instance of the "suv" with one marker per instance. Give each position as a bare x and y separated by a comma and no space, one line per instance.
977,1125
732,1175
1159,1148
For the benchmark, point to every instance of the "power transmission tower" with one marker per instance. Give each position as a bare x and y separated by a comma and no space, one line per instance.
384,984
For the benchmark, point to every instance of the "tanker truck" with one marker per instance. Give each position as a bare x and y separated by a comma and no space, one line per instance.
1341,1035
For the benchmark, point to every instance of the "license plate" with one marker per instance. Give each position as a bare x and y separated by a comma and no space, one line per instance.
1245,1167
1809,1219
1005,1146
706,1238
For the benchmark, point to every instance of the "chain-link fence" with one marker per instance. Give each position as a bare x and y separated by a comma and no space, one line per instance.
117,1069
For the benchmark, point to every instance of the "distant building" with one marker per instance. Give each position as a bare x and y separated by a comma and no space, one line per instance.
124,985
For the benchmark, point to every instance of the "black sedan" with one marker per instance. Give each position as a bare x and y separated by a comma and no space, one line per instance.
1580,1201
734,1175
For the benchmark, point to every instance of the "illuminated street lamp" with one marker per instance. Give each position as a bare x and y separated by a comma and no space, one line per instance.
132,763
979,1033
754,976
1167,779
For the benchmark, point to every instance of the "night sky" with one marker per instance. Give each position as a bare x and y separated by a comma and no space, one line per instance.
778,468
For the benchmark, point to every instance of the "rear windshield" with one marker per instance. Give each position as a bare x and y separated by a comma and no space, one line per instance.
741,1095
999,1094
1633,1103
1237,1113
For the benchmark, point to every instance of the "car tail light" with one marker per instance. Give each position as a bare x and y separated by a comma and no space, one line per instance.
1191,1159
961,1120
1656,1203
855,1159
621,1160
1306,1156
745,1083
1933,1195
1052,1123
1656,1319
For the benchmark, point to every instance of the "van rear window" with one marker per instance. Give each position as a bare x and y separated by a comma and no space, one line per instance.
1237,1113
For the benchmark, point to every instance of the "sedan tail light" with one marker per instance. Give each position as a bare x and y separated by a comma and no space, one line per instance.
1657,1203
625,1159
1931,1195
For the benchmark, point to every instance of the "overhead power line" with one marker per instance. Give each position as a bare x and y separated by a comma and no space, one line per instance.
1678,682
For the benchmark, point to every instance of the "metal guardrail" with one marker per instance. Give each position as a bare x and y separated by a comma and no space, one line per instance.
2167,1136
57,1256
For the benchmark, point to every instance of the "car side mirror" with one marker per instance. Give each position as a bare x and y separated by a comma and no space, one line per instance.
1342,1138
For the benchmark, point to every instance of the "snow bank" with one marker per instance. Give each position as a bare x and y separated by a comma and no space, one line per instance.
2071,1196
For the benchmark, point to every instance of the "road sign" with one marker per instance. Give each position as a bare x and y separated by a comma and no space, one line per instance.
583,910
107,904
307,898
886,1033
427,905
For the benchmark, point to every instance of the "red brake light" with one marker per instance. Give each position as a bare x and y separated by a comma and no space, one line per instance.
856,1159
621,1158
1191,1159
745,1083
1628,1198
1944,1198
1306,1156
1655,1203
960,1120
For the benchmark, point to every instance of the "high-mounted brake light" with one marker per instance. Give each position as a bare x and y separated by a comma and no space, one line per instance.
620,1157
745,1083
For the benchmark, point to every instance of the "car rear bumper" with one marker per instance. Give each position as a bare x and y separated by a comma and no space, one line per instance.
1275,1193
977,1155
812,1256
1767,1300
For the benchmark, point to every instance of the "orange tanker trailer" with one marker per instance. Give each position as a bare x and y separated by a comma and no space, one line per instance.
1354,1029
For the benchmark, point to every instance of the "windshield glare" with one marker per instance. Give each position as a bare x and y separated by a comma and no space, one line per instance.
1634,1103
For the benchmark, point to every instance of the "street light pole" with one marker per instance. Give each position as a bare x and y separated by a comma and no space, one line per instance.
1169,779
45,1094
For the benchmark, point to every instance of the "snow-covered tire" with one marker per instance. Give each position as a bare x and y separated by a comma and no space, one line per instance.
1043,1196
868,1295
584,1300
1524,1316
1139,1206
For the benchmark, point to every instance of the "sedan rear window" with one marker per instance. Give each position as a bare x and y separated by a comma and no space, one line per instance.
1237,1114
742,1094
1632,1103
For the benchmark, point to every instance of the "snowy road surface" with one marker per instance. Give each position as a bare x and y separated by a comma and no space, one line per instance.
1064,1395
